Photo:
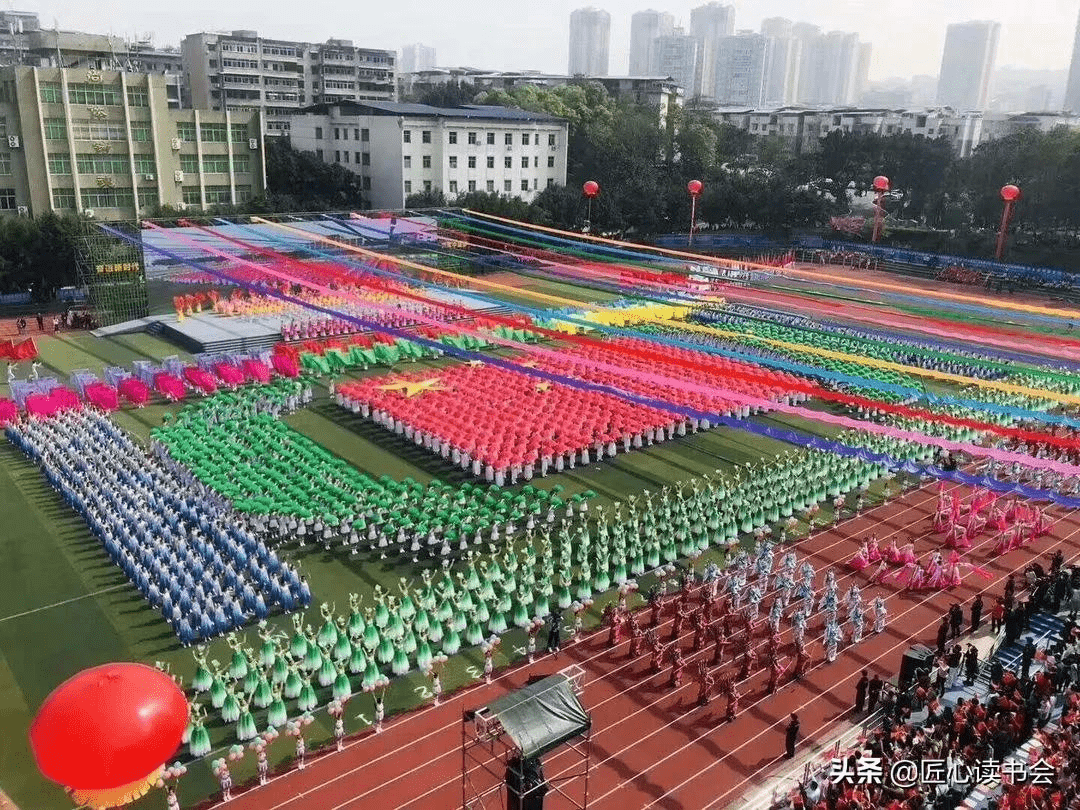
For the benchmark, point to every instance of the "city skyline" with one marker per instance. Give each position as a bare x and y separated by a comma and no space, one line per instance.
528,36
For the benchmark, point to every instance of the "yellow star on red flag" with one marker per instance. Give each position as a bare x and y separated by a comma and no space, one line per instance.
411,389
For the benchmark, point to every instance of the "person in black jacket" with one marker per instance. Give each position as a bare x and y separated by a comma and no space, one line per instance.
860,692
873,692
1026,658
791,736
976,612
971,665
554,639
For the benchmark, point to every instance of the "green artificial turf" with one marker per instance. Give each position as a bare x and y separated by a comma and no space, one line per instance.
65,607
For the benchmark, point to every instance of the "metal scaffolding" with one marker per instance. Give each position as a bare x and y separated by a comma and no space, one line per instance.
112,269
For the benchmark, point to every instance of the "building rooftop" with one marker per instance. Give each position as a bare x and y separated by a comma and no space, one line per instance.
477,112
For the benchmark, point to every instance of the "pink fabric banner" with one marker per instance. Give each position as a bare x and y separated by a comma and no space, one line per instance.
169,386
102,396
134,391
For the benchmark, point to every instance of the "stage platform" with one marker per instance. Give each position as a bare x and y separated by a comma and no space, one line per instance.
209,332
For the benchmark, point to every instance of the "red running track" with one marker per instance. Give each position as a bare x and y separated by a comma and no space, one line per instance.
652,746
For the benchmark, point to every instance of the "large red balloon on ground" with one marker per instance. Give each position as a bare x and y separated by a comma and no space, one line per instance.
1010,193
591,188
109,726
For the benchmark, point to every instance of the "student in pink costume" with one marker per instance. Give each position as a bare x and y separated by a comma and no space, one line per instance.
873,551
861,559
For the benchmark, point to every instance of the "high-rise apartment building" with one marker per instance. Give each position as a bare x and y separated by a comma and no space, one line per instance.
862,71
416,57
241,71
676,56
708,25
107,144
784,56
828,65
1072,86
590,37
645,27
741,62
966,65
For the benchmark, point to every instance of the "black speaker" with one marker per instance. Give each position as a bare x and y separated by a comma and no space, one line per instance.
918,659
525,785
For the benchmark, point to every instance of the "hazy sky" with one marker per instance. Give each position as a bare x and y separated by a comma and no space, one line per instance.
907,35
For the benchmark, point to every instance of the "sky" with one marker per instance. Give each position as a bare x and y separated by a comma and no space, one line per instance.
907,35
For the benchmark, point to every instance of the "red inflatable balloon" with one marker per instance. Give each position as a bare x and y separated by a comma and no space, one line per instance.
109,726
881,183
694,187
1010,193
591,188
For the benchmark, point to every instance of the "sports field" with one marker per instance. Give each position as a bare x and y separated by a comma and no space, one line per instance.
65,607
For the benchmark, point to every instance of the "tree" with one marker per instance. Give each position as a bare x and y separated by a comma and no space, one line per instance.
301,181
449,94
426,199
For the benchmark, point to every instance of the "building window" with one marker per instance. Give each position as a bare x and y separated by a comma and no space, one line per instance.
408,186
345,156
472,185
213,133
5,163
365,159
508,162
491,138
551,139
94,94
490,185
427,185
365,135
406,136
344,133
524,185
551,161
507,185
356,133
148,199
138,97
453,161
63,198
472,161
241,164
85,130
140,132
107,198
238,132
366,184
102,164
524,163
425,136
189,164
453,136
509,138
453,186
144,164
408,161
318,133
536,161
55,130
243,194
337,156
51,94
7,199
337,134
59,163
426,161
215,163
491,162
218,195
472,137
319,154
550,182
185,131
191,196
524,138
